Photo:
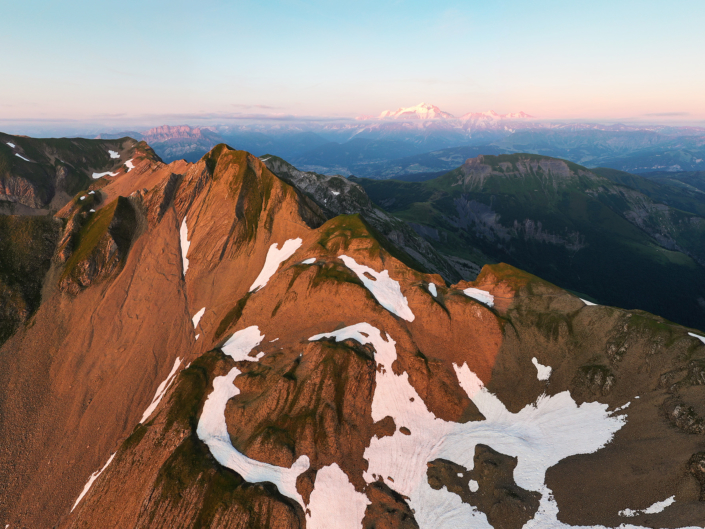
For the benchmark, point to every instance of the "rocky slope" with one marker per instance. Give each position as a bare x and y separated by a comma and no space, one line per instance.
37,175
239,359
562,222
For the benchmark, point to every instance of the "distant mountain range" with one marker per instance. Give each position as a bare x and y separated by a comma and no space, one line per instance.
424,139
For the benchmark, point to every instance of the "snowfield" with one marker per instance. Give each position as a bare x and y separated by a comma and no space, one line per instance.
480,295
161,391
213,430
185,243
540,435
114,155
275,257
334,501
385,290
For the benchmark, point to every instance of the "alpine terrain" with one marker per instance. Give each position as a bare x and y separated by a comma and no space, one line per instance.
236,343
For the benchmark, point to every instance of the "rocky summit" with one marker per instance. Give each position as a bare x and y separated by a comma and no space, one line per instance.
213,344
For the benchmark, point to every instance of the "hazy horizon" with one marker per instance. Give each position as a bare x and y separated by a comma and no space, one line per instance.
80,63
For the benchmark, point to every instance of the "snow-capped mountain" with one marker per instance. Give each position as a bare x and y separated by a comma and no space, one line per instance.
420,111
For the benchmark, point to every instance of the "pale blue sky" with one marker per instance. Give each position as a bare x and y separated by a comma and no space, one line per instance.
554,59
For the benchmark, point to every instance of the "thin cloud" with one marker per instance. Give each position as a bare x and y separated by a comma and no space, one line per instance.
667,114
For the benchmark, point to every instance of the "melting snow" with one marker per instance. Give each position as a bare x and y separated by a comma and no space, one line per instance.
432,289
701,338
88,485
213,430
543,372
197,317
480,295
130,165
101,175
275,257
334,501
114,155
20,156
385,290
309,261
185,243
161,391
11,144
656,508
540,435
588,303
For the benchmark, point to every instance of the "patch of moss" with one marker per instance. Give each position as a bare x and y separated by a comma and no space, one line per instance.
233,315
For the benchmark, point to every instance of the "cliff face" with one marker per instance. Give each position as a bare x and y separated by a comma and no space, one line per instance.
246,361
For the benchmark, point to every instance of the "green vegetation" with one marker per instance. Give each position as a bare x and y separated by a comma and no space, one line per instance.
26,247
561,222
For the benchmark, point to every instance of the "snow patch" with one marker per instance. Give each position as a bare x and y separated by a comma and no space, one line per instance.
91,192
539,436
114,155
474,485
83,197
309,261
275,257
197,317
432,289
656,508
130,166
543,372
11,144
336,193
20,156
385,289
185,243
197,337
212,428
88,485
334,501
480,295
588,303
701,338
92,211
95,176
161,391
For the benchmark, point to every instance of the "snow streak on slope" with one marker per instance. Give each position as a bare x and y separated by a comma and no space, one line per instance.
275,257
101,175
385,290
334,501
161,391
480,295
432,289
185,243
701,338
540,435
543,372
20,156
588,303
213,430
11,144
309,261
88,485
197,317
656,508
130,165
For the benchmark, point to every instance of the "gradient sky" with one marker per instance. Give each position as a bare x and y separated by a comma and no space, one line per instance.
178,61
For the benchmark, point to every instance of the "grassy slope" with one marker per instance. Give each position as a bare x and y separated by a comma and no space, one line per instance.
620,265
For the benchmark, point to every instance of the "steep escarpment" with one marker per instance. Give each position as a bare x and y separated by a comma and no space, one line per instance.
38,175
252,363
